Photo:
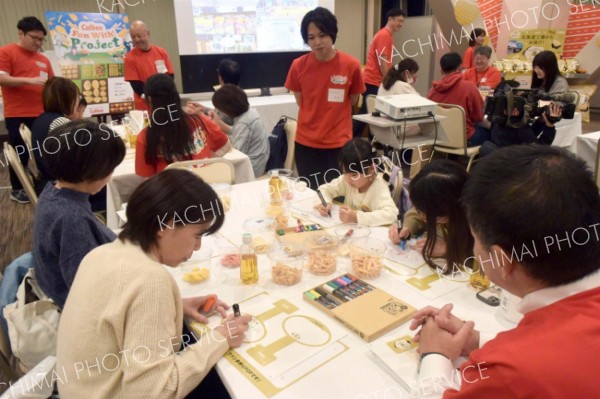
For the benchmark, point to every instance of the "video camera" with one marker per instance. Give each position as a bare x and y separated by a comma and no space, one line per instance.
518,108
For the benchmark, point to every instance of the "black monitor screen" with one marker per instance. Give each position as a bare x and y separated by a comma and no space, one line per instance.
199,72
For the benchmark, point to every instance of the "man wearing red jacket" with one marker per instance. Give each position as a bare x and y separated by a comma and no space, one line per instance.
453,89
511,199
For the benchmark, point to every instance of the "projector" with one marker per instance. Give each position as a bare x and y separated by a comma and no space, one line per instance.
405,106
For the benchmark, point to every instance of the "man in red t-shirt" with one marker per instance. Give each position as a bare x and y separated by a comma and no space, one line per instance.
144,61
23,72
482,74
379,59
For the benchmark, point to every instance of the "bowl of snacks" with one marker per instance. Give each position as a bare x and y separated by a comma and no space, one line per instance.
228,254
223,190
287,263
322,251
367,257
347,232
197,269
263,233
280,211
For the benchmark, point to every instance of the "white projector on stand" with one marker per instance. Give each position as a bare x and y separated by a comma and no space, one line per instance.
405,106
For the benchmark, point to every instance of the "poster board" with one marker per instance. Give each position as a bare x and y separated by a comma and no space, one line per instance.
525,44
90,49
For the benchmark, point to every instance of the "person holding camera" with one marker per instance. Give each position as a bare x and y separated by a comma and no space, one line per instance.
540,131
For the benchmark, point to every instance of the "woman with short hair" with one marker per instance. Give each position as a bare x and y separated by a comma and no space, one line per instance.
125,312
247,133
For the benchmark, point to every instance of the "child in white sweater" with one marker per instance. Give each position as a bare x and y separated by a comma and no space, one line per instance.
367,197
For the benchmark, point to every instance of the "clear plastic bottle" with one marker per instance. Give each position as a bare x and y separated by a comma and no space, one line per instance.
249,263
275,187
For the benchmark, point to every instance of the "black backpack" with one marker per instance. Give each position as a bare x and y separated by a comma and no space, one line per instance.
278,145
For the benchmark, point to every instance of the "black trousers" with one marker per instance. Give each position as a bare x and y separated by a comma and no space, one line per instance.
14,139
357,126
316,166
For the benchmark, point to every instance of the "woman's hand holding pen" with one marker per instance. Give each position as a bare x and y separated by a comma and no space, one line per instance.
233,328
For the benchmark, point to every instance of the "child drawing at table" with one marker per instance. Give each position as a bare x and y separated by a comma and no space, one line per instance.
367,198
437,212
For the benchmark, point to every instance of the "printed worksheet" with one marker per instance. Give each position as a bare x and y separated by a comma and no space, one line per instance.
285,342
306,210
432,284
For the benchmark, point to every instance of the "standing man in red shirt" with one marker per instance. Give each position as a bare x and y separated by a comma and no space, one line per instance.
379,59
23,72
144,61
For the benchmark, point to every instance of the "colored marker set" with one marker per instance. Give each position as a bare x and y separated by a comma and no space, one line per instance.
338,291
367,310
300,228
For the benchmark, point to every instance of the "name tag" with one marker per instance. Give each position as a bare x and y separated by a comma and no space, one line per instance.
160,66
336,95
483,80
44,75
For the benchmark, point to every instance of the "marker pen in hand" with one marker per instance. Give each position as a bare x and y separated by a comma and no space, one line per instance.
236,310
323,202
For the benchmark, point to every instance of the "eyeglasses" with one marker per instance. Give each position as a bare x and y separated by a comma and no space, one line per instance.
481,59
36,38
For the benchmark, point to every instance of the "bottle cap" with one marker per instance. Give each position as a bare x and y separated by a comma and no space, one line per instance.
274,173
247,238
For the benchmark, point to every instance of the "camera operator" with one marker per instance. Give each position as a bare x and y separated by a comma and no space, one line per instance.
541,131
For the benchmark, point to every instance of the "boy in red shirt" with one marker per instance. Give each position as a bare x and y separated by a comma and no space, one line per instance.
23,72
453,89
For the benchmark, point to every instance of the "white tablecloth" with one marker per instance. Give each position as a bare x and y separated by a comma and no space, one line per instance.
355,373
586,148
124,181
270,108
567,131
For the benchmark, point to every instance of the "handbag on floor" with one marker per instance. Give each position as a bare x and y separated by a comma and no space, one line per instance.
32,323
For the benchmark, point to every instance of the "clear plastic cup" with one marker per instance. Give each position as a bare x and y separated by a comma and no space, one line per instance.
198,269
287,263
341,232
367,257
223,190
322,252
228,254
263,233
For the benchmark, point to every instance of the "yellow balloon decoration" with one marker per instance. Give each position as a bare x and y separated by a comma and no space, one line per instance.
465,12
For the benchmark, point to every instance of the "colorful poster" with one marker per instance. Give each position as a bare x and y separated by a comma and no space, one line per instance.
524,44
90,49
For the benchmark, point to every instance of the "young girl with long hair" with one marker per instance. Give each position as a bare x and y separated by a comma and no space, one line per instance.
437,212
172,134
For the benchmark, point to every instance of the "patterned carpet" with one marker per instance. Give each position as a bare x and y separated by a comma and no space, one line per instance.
16,222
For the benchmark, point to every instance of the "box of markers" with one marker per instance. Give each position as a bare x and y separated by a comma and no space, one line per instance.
367,310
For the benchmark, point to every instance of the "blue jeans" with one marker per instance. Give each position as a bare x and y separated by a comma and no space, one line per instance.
479,137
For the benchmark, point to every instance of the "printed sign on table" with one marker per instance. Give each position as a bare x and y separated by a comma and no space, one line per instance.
525,44
90,48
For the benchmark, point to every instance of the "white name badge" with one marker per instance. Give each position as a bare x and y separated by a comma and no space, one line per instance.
44,75
336,95
483,80
160,66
